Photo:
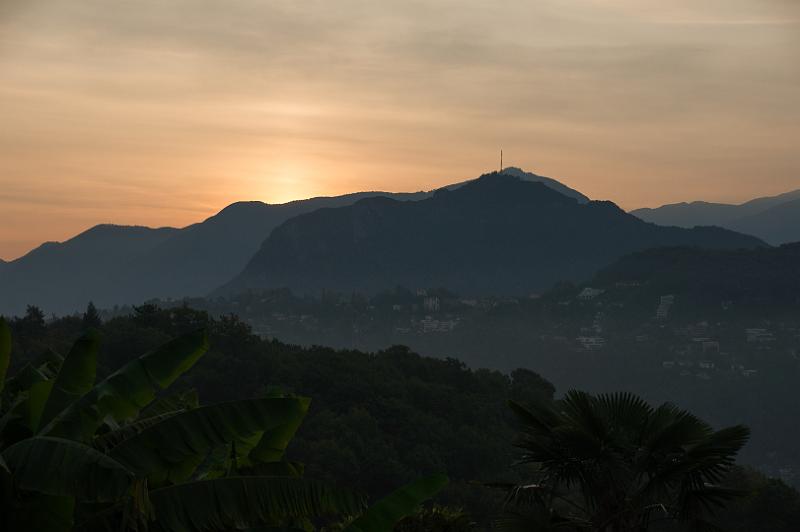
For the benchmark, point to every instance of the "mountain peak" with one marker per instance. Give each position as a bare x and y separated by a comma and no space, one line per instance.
507,189
497,234
243,205
547,181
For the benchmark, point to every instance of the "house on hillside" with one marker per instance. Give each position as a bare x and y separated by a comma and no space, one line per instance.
587,294
664,305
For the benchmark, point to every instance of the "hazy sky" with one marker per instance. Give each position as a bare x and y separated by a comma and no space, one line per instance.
162,112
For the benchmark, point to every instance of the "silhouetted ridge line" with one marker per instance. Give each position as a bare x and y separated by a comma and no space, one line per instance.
497,234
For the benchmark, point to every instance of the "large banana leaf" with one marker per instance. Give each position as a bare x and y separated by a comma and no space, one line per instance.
108,440
25,394
272,445
23,416
123,394
43,367
5,350
38,512
157,411
235,503
166,450
5,476
176,402
75,378
54,466
274,469
34,405
384,514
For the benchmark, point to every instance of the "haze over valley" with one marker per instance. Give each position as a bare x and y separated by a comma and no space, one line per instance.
400,266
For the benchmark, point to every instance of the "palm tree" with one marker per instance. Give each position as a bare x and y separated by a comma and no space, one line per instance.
119,455
613,463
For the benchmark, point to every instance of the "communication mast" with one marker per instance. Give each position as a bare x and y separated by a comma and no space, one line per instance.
501,160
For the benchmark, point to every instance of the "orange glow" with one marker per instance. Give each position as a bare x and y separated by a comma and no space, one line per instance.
162,113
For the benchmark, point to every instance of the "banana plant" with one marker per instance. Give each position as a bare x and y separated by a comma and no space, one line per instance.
387,512
122,455
80,455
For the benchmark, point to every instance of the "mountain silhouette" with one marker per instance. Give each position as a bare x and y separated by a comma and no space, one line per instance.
774,219
112,264
498,234
534,178
62,277
547,181
778,224
202,256
760,277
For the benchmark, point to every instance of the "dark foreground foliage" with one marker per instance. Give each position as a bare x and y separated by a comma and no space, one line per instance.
377,420
121,455
613,463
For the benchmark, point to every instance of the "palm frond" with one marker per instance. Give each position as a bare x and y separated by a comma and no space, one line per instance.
581,409
536,418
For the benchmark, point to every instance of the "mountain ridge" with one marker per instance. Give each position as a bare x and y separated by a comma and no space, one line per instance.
181,262
705,281
775,219
444,240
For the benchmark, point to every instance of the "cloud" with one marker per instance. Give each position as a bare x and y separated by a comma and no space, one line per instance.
207,102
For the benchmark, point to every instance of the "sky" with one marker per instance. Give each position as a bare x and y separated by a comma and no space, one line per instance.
161,112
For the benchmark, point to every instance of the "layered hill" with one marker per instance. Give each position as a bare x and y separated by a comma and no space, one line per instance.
111,264
755,284
498,234
62,277
775,219
120,264
202,256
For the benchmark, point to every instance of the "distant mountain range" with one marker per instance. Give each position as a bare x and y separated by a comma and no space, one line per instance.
510,233
494,235
112,264
774,219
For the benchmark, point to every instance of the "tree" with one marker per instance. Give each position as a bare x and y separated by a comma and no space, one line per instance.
613,463
34,319
91,318
119,455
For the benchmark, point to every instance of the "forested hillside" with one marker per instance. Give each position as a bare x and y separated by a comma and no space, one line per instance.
377,419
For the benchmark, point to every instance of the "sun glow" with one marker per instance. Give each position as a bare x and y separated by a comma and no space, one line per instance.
284,182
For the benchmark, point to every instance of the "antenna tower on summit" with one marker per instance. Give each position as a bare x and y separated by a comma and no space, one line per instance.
501,160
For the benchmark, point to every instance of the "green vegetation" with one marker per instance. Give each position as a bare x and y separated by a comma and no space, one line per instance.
725,346
613,463
378,420
120,455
